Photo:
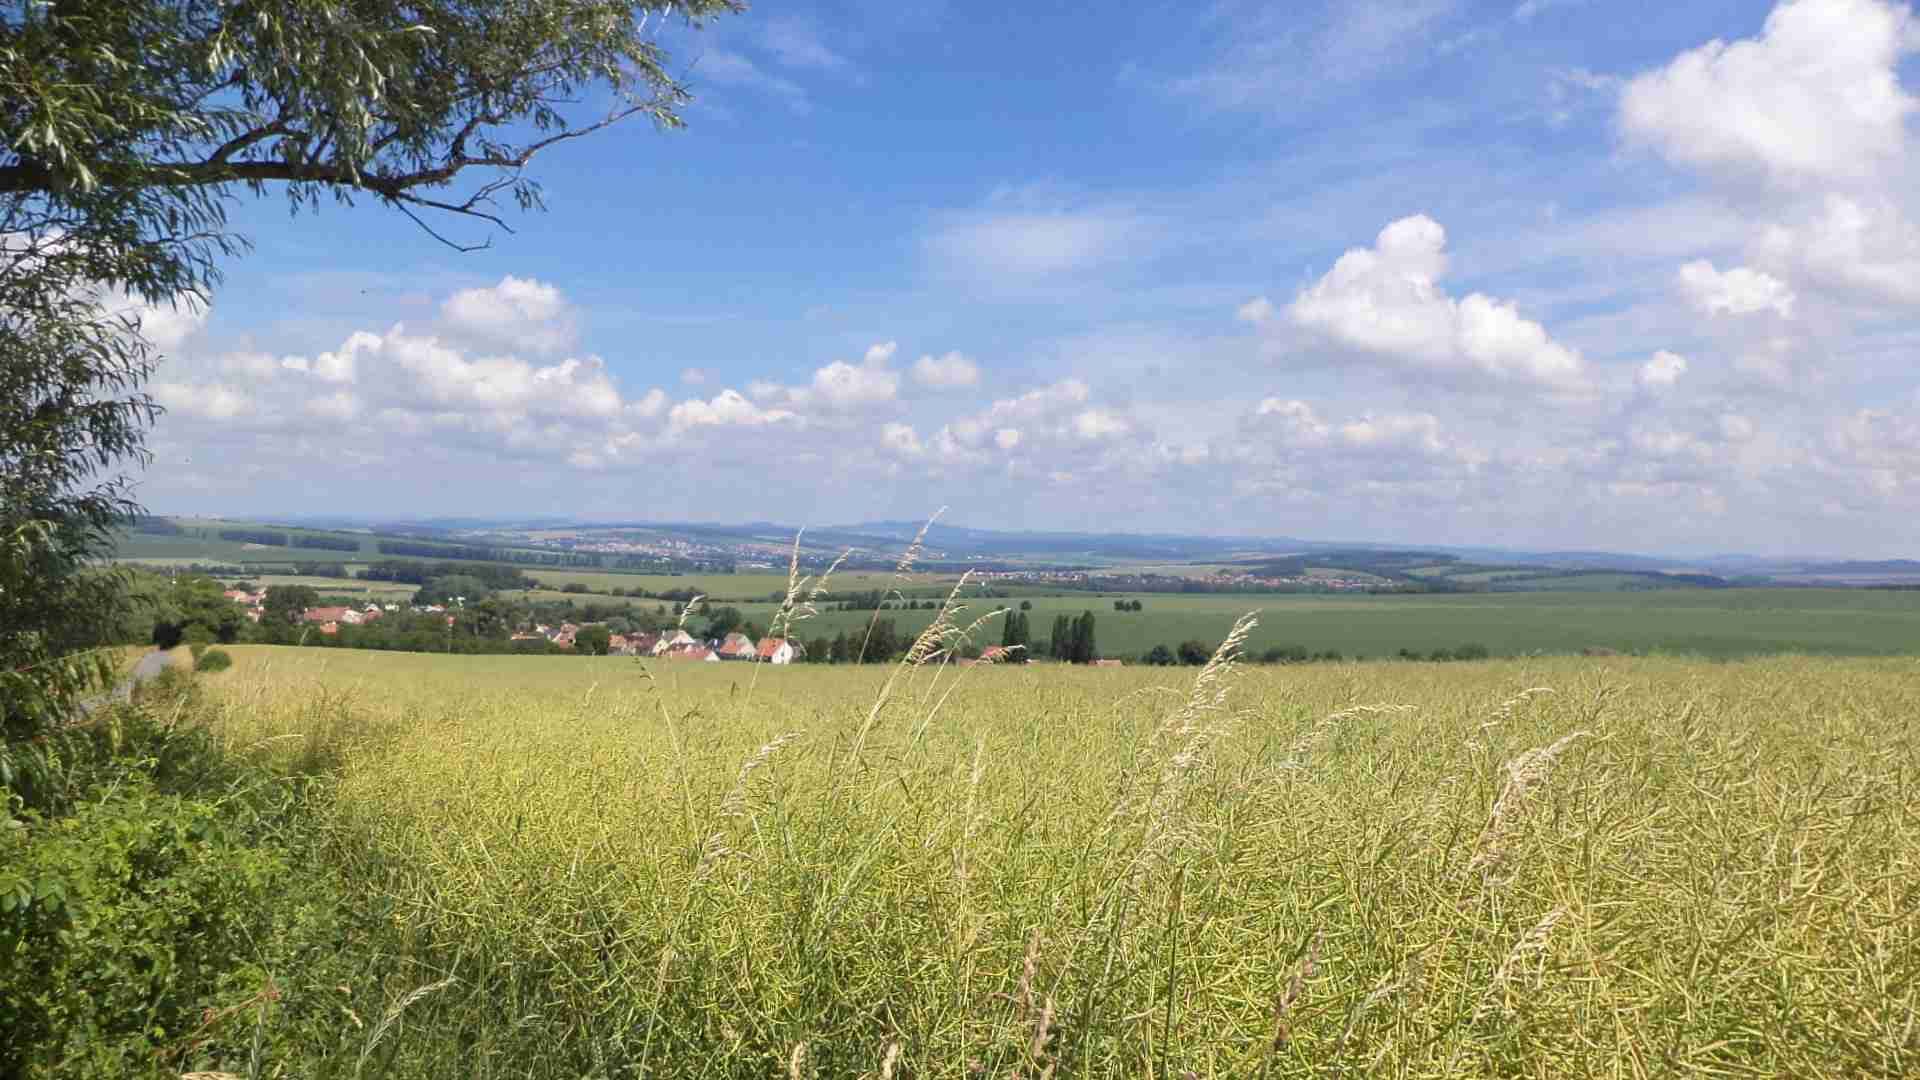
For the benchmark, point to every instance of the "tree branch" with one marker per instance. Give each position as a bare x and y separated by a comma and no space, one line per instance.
245,139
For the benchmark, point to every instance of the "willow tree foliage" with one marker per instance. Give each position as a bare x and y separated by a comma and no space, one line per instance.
128,127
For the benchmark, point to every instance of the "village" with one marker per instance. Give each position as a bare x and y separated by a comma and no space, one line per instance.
668,645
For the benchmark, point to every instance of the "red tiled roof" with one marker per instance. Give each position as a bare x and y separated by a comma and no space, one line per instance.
769,646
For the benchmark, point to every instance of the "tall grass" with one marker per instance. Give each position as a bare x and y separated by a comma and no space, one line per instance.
1545,868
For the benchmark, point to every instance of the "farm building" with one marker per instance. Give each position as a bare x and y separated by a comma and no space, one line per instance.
777,651
736,646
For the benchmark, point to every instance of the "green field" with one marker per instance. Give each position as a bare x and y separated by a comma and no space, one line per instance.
1516,868
201,542
732,587
1718,623
384,590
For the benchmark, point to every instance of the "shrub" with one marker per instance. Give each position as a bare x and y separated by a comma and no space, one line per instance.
147,924
212,660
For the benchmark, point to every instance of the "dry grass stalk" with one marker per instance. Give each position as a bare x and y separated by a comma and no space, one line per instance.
891,1061
1324,728
211,1019
796,1061
1205,702
923,647
1028,969
1524,774
969,822
1529,945
1208,695
1283,1005
687,611
1406,986
1042,1036
735,804
803,591
393,1017
1504,711
955,639
943,630
900,571
715,848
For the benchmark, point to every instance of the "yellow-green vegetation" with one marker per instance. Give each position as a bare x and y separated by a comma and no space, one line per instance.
384,590
1547,867
744,586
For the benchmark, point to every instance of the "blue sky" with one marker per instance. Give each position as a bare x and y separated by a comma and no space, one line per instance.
1546,273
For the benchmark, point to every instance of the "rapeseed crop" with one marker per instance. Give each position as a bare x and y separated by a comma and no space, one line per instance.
1550,867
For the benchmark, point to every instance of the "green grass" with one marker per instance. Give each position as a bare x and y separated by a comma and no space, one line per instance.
730,587
1524,868
387,590
1717,623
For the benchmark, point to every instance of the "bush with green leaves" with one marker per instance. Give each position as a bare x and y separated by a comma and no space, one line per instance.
213,660
153,906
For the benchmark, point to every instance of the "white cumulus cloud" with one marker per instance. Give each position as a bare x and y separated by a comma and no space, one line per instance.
1662,370
1385,303
517,313
1739,291
1815,97
946,372
202,401
844,386
1867,249
727,409
901,439
1094,424
1259,311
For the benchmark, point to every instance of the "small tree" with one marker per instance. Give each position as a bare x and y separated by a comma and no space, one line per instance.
882,644
724,621
1159,656
1015,634
1194,653
1084,650
592,640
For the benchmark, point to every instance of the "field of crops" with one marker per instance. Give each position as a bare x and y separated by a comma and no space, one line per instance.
1538,867
1719,623
744,586
327,586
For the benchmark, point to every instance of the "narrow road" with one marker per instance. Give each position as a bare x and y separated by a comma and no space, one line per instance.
147,670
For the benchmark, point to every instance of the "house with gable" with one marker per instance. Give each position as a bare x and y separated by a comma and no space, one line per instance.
736,646
774,650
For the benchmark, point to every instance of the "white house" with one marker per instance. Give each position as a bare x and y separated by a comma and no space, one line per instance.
777,651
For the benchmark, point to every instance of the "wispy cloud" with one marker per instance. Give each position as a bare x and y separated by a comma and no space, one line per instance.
723,67
796,43
1274,57
1528,10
